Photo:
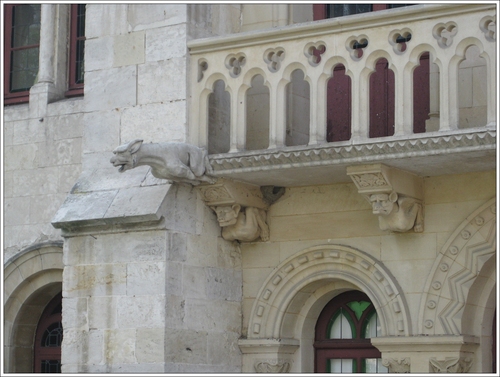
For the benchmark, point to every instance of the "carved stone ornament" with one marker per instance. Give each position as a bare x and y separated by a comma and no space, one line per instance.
395,196
241,208
269,366
178,162
397,365
451,365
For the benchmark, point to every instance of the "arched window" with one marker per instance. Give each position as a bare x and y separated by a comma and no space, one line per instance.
48,338
343,331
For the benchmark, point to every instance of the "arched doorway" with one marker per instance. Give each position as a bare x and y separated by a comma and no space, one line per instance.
342,336
48,338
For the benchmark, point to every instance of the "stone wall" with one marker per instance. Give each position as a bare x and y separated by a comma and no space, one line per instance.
307,217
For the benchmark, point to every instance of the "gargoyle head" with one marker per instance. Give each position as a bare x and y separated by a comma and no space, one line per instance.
383,204
125,156
228,214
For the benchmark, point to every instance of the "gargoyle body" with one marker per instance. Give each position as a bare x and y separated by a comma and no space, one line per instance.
243,225
179,162
398,214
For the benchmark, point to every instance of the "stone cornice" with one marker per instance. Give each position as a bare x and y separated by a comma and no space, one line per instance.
431,144
315,29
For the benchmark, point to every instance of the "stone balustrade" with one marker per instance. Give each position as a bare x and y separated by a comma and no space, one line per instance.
256,94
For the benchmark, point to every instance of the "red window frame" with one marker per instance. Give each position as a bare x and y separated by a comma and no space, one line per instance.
12,97
77,35
51,315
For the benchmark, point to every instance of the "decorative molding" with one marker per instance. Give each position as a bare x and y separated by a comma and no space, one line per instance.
272,366
451,365
322,155
396,196
328,262
397,365
457,266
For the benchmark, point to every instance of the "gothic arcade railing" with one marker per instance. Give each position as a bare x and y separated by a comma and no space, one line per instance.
389,74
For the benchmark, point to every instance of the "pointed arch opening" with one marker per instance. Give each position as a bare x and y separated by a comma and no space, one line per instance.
338,105
257,115
219,118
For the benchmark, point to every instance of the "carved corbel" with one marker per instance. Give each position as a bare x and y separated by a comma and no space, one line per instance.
396,196
397,365
241,208
451,365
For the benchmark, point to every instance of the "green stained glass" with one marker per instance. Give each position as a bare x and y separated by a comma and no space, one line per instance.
358,307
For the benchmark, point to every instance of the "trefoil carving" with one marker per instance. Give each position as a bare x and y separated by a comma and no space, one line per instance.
444,33
355,46
313,52
273,58
234,62
488,26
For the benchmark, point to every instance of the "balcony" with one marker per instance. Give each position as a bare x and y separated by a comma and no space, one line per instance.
413,88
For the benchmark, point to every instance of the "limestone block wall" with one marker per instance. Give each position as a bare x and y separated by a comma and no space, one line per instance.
305,217
163,297
42,159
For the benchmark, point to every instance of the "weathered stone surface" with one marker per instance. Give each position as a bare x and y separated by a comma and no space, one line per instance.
186,346
99,139
75,315
128,49
116,85
102,312
120,346
217,315
141,311
150,345
106,19
166,43
20,157
98,280
99,53
172,87
154,122
147,278
148,16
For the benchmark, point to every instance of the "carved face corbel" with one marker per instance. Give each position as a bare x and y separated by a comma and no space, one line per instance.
396,196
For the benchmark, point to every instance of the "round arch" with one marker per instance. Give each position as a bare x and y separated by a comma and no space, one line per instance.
298,284
462,277
31,280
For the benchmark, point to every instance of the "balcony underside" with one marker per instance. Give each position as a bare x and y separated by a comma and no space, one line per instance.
430,154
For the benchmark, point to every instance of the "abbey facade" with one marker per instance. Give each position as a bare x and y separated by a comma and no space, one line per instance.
256,188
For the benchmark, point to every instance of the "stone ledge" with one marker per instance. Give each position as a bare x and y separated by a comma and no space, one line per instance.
421,155
102,198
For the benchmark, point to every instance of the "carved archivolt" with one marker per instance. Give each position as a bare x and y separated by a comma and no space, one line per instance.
460,261
328,262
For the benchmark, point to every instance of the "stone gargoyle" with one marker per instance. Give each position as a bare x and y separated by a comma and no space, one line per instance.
245,225
178,162
397,213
